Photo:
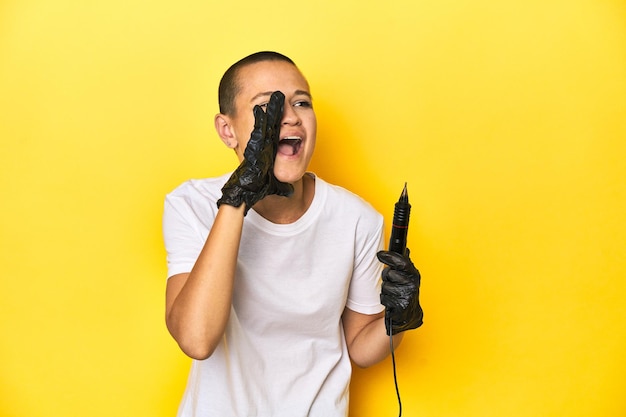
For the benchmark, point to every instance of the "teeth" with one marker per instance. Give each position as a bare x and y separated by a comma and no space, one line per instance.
292,138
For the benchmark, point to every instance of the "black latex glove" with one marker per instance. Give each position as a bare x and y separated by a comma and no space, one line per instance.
400,292
254,178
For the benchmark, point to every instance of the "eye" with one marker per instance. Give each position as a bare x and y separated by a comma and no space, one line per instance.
303,103
263,106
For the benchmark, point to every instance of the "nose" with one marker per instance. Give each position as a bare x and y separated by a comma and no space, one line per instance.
290,116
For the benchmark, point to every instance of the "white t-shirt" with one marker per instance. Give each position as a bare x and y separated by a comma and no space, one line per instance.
283,352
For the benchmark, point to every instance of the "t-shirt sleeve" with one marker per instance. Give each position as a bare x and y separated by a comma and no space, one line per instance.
183,240
364,292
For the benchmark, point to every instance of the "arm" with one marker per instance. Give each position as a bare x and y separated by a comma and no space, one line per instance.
366,337
198,303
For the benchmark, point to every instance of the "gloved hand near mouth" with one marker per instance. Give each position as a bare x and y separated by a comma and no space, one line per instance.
254,178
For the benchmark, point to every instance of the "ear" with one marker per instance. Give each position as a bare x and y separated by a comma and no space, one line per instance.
225,130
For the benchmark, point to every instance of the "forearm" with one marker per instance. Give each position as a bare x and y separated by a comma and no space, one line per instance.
371,344
366,337
198,307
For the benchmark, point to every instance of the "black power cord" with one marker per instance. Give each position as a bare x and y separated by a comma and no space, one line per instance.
395,376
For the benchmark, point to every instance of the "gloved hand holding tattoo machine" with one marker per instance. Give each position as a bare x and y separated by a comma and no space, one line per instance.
401,280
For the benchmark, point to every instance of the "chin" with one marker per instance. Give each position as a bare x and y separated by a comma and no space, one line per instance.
289,176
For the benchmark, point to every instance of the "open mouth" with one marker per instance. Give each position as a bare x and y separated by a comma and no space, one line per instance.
289,145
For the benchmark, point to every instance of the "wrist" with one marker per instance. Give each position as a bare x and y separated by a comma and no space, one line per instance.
232,210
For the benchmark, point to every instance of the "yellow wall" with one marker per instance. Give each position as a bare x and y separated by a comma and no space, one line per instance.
506,118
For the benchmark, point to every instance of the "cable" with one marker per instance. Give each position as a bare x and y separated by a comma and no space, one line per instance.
395,376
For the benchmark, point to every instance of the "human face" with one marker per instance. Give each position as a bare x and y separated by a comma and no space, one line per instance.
298,126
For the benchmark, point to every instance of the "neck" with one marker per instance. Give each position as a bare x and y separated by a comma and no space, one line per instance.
285,210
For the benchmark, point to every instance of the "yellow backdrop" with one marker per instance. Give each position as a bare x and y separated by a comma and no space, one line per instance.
506,118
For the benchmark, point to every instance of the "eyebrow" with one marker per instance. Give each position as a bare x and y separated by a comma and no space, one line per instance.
269,93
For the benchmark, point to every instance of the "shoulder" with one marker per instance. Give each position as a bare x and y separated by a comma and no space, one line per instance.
194,200
340,194
345,202
195,190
